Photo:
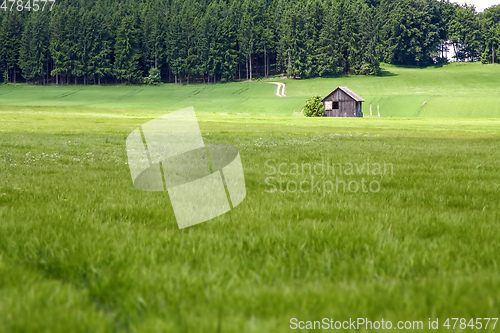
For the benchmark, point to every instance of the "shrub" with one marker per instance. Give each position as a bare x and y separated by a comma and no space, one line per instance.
154,77
314,107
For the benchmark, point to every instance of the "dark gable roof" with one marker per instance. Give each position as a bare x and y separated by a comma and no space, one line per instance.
348,92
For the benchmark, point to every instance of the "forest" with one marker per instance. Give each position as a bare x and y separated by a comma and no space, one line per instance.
185,41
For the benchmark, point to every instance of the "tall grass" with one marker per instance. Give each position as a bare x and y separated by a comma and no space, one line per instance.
82,250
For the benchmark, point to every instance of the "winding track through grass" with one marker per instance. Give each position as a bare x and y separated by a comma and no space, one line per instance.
280,91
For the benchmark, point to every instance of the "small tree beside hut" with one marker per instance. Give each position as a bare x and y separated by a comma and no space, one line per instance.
314,107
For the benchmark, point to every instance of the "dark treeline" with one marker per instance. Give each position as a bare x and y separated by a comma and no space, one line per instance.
106,41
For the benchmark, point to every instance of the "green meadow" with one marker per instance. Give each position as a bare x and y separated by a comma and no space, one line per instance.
81,250
458,90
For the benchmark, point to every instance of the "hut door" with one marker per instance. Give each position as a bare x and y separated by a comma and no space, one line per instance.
328,108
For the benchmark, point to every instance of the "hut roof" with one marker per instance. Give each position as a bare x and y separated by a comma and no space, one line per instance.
349,92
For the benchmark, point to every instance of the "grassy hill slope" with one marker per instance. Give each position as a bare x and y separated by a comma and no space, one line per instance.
458,90
453,91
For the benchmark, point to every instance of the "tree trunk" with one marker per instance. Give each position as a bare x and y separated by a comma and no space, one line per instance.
246,64
265,61
250,67
289,61
268,66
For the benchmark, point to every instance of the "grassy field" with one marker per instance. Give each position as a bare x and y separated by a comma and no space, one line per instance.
82,250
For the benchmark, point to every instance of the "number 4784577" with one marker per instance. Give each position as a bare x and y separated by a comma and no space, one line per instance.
29,5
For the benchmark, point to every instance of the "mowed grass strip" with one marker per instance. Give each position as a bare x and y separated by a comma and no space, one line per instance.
82,250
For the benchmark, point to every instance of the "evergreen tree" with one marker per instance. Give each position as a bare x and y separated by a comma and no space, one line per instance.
176,43
127,52
328,60
369,28
268,40
11,42
202,41
59,46
250,31
228,39
101,49
3,69
153,24
33,55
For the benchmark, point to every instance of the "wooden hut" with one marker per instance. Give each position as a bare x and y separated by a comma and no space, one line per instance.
342,102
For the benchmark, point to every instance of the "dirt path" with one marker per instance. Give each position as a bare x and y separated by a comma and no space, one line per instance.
280,92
